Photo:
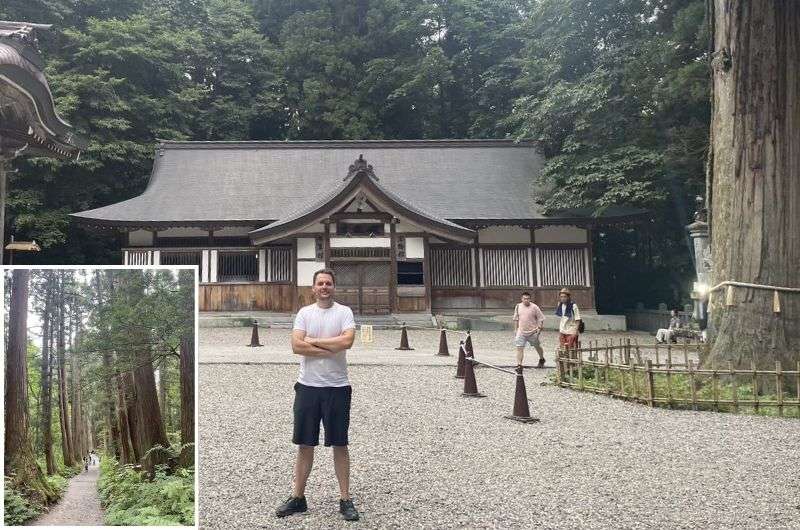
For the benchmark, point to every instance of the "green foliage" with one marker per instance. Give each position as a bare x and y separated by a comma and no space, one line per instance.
18,509
131,499
615,93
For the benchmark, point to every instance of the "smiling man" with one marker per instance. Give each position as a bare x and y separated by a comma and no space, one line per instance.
323,331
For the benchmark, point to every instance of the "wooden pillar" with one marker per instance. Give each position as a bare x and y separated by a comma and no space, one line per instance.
393,267
156,257
326,243
293,276
426,272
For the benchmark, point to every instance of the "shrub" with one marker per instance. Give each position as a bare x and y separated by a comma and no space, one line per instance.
18,509
131,499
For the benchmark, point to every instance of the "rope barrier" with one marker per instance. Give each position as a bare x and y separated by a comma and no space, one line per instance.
755,286
493,366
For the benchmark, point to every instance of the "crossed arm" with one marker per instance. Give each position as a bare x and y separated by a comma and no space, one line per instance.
317,347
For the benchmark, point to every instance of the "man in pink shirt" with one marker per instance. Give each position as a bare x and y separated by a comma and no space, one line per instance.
529,320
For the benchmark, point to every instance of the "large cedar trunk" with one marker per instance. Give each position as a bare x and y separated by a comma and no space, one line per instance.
162,393
46,377
66,436
133,414
151,428
754,179
20,461
79,447
123,425
187,401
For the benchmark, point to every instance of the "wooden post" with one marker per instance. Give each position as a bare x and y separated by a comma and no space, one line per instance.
734,386
634,390
638,352
685,357
715,387
605,375
580,368
694,388
669,379
393,266
651,393
755,385
798,389
779,386
658,361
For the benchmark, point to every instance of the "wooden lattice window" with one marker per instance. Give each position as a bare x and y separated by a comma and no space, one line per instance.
237,267
138,257
560,267
505,267
451,267
279,268
181,258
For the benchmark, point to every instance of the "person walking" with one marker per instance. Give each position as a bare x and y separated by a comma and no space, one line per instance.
323,331
529,320
570,326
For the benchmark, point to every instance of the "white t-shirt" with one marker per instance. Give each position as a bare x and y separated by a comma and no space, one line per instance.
322,323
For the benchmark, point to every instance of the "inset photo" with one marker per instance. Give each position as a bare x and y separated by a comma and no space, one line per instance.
99,396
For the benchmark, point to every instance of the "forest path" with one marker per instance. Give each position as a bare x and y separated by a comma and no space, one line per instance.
80,504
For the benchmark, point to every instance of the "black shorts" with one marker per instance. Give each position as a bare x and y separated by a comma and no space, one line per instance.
329,404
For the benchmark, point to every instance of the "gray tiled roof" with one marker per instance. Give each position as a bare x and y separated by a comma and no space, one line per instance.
267,181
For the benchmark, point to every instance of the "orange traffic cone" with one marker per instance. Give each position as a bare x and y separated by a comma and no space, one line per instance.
404,339
470,385
521,412
461,362
443,343
254,337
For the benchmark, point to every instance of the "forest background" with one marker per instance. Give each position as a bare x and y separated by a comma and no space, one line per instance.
614,92
102,361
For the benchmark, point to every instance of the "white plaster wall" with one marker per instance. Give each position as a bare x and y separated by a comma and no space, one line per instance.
306,248
504,234
415,247
183,232
359,242
230,231
306,270
560,234
141,238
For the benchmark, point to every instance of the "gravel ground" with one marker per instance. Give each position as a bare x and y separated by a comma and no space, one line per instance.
80,504
424,457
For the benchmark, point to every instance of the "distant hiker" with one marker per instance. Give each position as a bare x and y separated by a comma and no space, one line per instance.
529,320
571,324
664,335
86,463
322,333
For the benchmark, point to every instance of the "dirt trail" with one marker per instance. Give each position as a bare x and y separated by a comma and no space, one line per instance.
80,504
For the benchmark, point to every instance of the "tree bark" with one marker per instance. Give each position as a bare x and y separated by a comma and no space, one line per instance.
187,401
20,461
162,393
123,425
46,377
66,437
133,415
79,447
151,427
754,185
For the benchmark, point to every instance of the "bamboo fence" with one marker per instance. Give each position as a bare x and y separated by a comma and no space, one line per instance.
659,374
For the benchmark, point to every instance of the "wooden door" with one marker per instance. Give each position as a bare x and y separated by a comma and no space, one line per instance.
364,287
375,288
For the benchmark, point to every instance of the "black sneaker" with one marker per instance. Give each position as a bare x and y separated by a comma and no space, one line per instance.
348,511
292,505
541,363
